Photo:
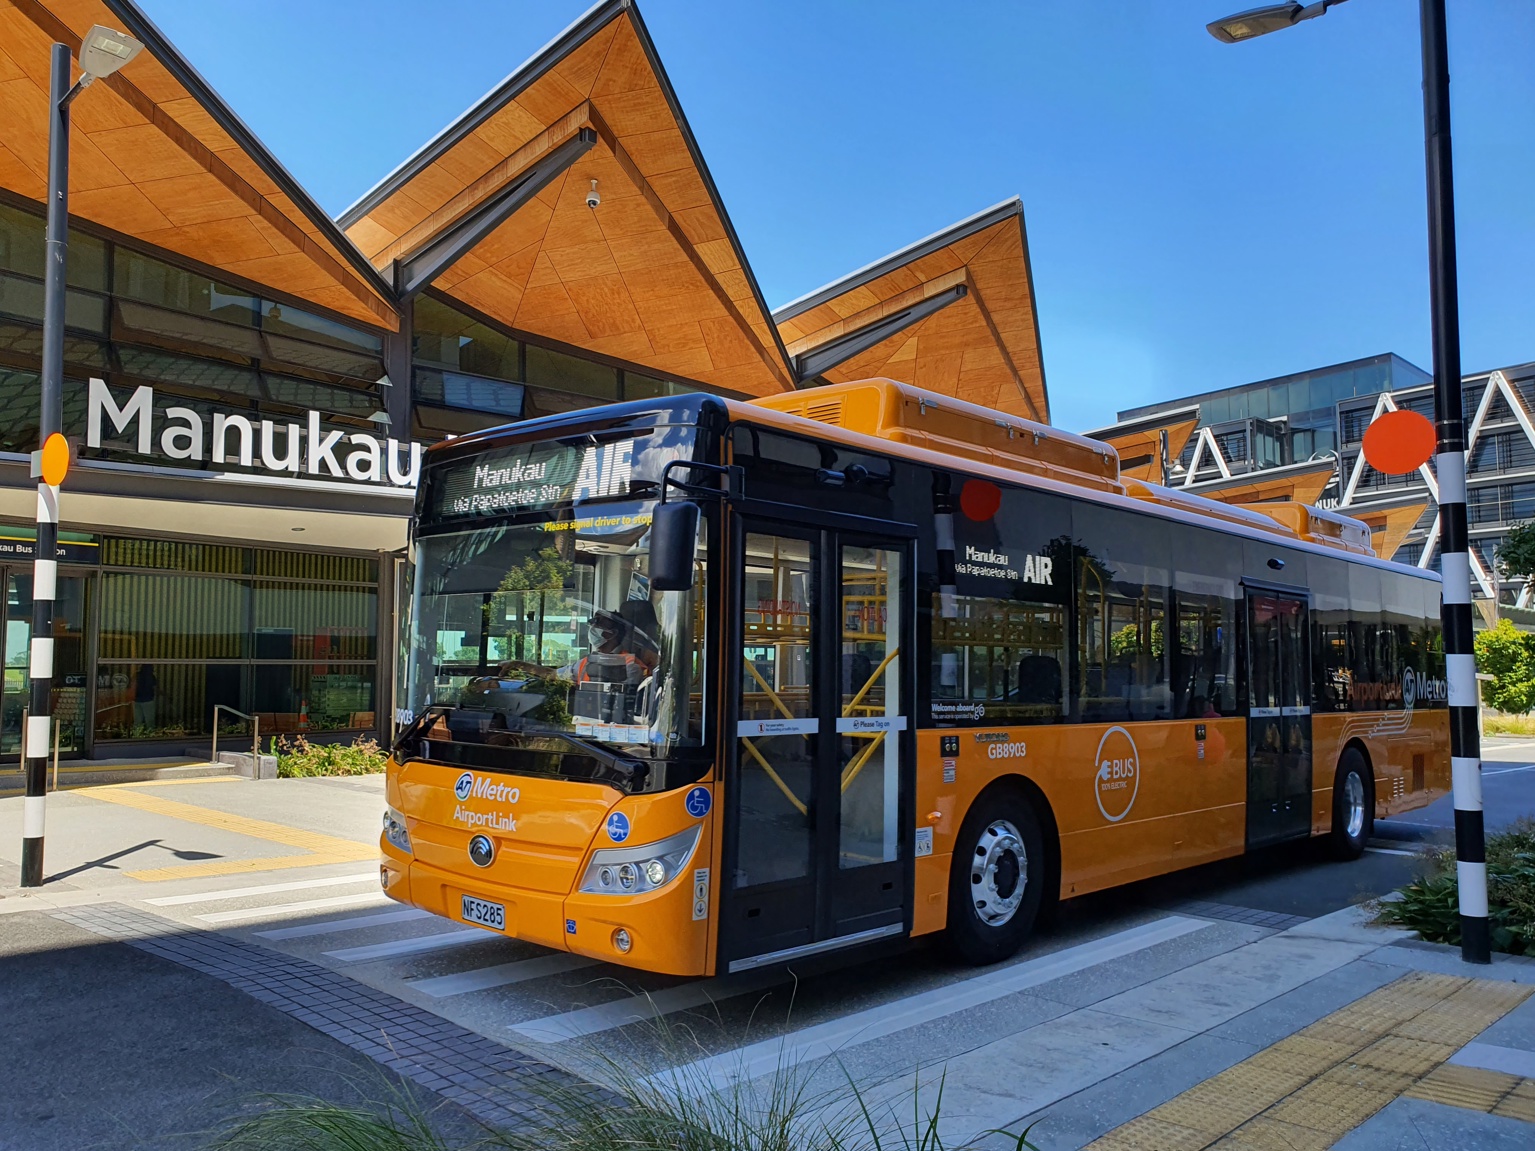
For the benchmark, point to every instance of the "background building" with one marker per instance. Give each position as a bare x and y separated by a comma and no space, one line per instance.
1300,437
249,382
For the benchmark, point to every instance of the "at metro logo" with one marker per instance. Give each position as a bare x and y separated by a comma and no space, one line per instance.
306,449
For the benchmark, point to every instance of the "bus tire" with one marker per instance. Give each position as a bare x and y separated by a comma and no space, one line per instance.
1353,811
997,879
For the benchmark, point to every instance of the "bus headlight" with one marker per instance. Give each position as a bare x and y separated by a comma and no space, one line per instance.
641,868
394,830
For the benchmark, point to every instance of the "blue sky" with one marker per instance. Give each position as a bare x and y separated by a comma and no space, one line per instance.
1199,215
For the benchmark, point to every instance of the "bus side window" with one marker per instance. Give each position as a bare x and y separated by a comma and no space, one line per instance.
1122,629
1332,677
1203,684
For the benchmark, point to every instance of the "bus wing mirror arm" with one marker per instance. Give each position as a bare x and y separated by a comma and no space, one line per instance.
674,525
734,486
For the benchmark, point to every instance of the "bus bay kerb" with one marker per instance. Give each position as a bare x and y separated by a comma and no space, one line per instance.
700,686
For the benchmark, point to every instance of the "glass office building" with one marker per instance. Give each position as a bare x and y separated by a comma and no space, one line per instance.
1286,420
1274,428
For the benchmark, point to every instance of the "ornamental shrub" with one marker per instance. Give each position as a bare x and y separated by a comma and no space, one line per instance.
1430,904
298,758
1508,655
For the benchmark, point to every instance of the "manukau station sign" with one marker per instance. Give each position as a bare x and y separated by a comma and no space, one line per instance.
306,449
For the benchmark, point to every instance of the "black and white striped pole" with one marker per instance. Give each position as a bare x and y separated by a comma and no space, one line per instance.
102,52
1450,448
1450,466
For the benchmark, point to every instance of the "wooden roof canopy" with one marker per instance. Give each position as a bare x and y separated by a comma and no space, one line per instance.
156,155
1302,483
494,213
953,314
1139,444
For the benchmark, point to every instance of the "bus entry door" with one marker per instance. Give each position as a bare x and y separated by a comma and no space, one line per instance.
1278,718
816,855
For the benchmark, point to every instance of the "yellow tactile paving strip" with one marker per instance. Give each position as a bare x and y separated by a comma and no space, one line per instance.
319,848
1477,1089
1307,1091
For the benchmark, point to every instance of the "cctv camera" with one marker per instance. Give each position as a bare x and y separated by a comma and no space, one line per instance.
593,198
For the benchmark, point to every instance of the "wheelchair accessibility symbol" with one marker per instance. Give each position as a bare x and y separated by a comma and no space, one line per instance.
618,827
698,802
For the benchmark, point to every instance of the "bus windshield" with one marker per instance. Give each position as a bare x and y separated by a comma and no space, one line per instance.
540,636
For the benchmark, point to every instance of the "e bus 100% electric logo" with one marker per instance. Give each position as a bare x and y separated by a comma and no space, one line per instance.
1118,777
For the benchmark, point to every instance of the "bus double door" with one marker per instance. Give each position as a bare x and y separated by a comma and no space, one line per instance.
1278,717
819,774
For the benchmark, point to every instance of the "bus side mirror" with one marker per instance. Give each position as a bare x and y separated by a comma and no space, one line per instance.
673,541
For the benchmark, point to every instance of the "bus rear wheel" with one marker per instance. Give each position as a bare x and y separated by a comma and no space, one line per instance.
997,878
1353,814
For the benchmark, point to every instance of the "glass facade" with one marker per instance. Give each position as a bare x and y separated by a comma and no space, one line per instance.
1291,419
151,634
1317,414
132,319
469,374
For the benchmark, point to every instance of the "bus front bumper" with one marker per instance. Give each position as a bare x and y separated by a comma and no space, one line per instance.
663,935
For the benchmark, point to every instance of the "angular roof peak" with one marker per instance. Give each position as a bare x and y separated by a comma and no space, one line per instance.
953,313
158,156
653,275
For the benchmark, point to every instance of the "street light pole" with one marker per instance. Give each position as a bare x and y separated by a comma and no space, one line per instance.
1450,468
102,52
45,564
1450,458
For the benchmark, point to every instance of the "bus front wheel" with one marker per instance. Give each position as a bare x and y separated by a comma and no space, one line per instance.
997,879
1353,814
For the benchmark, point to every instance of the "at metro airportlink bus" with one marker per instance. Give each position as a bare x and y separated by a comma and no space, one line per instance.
697,685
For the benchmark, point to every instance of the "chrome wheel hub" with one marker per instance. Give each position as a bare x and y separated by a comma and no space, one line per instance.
1353,799
999,873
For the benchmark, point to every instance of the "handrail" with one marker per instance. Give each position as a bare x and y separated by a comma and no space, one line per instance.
255,722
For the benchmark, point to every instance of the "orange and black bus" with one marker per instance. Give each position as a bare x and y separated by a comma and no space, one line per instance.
698,686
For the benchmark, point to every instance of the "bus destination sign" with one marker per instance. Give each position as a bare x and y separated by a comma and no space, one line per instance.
531,476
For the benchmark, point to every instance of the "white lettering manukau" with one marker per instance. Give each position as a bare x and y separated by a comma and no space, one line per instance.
284,447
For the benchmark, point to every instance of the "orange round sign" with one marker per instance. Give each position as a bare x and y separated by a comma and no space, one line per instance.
1399,442
55,459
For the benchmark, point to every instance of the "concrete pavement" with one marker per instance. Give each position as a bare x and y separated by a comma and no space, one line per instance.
1116,1028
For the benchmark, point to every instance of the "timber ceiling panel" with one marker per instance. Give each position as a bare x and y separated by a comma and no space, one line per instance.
983,348
155,155
654,275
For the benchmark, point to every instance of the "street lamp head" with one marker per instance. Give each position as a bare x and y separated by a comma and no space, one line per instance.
105,50
1261,21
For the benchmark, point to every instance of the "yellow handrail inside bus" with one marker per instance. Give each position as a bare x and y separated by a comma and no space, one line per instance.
771,694
847,708
774,776
850,772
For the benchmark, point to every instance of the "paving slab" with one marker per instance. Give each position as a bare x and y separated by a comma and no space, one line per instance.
1418,1125
1516,1029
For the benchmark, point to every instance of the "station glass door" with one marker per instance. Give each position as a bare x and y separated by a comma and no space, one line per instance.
815,854
1278,718
71,689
